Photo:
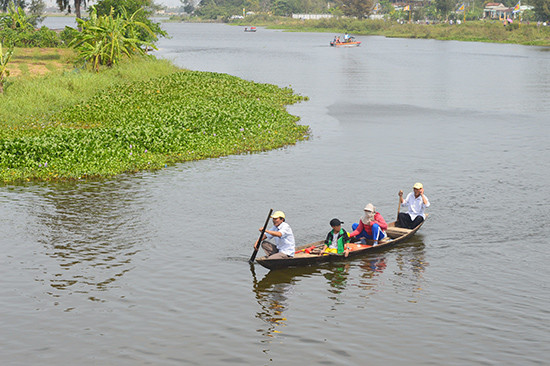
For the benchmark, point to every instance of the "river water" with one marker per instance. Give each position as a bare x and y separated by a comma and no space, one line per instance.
151,268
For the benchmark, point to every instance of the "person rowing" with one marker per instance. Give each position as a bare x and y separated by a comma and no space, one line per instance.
283,237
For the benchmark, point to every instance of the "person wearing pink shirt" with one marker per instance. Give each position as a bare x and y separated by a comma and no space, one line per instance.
371,226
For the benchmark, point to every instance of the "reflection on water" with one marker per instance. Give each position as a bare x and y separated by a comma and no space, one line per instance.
274,292
411,264
91,232
337,277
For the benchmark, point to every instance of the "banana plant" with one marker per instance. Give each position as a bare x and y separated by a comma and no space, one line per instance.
16,19
4,59
106,39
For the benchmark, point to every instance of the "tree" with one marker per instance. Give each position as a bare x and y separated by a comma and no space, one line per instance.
357,8
445,7
542,9
66,5
5,4
4,59
283,8
36,9
16,19
188,6
142,10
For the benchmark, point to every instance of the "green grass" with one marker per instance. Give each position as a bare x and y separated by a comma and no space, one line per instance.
141,115
34,100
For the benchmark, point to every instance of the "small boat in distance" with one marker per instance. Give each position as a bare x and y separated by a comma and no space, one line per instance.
251,29
305,257
350,43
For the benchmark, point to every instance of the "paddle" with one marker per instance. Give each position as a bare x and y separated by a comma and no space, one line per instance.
398,207
257,246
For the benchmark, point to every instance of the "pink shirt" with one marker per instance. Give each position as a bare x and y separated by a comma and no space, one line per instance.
378,219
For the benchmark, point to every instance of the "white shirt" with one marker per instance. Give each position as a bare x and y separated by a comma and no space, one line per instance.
416,205
285,243
334,244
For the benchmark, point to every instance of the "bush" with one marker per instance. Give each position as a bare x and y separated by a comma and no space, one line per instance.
68,34
43,37
512,26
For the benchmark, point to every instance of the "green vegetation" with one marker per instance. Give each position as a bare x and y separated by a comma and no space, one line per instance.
470,31
155,117
223,9
30,62
18,29
106,39
142,10
34,100
436,10
4,59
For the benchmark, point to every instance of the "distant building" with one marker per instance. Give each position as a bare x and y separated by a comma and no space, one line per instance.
497,11
311,16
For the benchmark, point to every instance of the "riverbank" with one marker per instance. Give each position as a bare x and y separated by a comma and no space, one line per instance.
472,31
140,115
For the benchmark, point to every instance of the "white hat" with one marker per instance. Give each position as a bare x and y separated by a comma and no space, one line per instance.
278,214
369,207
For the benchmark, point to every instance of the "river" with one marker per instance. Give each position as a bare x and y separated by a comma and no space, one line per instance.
151,268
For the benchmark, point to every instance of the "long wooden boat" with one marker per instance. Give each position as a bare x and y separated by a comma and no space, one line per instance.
345,44
395,235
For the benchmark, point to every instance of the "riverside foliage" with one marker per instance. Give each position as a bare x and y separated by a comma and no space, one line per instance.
147,124
472,31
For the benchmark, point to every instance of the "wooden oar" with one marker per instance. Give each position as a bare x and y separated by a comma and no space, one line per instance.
398,208
257,246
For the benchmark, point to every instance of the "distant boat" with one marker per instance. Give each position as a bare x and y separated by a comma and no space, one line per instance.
251,29
350,43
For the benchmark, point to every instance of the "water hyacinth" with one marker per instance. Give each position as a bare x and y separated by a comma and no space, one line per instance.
176,124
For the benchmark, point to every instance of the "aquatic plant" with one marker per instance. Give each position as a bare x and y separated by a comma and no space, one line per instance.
147,124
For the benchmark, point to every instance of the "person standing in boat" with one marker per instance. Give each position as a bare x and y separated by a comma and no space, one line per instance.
416,202
337,239
284,245
371,226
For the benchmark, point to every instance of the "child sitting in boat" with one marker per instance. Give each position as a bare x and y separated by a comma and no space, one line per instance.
337,239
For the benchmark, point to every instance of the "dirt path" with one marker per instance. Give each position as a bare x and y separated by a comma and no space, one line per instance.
39,61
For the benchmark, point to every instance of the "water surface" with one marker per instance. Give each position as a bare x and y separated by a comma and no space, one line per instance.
152,268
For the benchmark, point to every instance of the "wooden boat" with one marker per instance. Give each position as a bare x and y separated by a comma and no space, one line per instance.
302,257
345,44
251,29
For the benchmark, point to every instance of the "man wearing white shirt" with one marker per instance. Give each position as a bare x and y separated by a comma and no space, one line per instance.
416,202
283,236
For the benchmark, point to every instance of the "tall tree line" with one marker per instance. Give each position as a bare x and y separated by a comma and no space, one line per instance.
66,5
5,4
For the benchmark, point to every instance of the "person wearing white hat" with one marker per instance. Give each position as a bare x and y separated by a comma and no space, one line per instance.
416,202
371,226
284,245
